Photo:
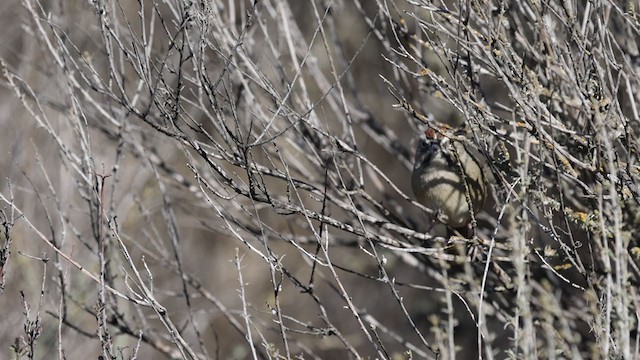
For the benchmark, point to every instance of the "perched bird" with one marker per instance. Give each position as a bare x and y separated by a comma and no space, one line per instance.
442,168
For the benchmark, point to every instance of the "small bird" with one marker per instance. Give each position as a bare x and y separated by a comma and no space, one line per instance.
442,167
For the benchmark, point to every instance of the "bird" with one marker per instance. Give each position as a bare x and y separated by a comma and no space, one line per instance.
445,169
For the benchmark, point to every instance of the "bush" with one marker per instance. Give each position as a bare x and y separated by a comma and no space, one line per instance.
232,180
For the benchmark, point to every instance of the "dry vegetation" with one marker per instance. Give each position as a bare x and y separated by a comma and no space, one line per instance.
230,179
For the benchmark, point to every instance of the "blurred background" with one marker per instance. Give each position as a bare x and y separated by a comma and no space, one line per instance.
231,179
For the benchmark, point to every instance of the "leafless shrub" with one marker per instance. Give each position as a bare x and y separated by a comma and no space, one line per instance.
231,180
